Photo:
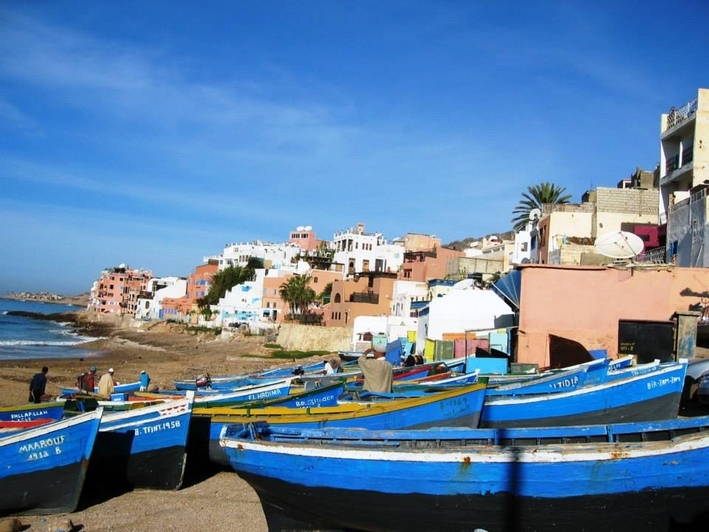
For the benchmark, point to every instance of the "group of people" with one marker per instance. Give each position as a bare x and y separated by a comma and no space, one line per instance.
87,382
377,372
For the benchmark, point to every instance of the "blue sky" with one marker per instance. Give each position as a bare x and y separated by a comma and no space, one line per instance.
154,133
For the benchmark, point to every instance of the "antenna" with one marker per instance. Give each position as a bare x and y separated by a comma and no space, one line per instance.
619,245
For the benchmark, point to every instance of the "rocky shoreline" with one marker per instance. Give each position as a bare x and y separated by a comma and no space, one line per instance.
81,300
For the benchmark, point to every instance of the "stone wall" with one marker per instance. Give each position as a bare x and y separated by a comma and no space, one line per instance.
629,201
314,338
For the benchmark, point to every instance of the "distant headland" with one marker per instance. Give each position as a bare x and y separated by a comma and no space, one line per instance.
81,300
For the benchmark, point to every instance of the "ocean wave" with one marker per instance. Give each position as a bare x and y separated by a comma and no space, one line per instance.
39,343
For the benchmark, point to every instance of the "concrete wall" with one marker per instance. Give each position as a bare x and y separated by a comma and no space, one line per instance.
312,338
586,303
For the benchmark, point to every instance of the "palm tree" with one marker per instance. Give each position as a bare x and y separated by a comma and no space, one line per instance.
297,294
534,198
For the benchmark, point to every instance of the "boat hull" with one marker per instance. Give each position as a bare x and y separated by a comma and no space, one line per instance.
458,407
142,448
644,397
33,411
44,468
286,505
644,476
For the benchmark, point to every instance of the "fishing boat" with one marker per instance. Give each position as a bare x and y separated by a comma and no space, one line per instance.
645,396
53,410
142,448
126,387
456,406
282,393
651,476
230,382
43,468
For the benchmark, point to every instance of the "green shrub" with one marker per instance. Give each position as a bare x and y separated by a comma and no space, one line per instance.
297,354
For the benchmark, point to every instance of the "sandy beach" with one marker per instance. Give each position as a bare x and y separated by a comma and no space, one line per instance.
209,500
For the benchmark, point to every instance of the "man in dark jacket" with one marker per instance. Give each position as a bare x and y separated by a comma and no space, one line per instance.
38,385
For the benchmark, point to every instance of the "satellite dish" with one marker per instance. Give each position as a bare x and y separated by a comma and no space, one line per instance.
308,227
462,285
300,228
619,245
534,214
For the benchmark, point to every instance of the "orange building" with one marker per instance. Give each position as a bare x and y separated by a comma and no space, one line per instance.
423,266
363,294
198,284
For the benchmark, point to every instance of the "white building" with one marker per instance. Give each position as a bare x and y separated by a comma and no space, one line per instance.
243,304
395,327
150,308
366,252
404,293
462,310
278,256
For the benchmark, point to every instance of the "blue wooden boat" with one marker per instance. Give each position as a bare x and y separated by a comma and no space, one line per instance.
573,377
29,412
644,397
457,406
281,393
650,476
230,382
126,387
43,468
143,447
252,392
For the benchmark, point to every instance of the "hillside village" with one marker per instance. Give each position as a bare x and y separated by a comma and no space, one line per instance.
359,273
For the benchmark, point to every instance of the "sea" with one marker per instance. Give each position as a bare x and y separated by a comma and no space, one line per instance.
29,338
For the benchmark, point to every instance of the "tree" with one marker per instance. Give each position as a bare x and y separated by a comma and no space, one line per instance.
326,294
534,198
228,278
297,294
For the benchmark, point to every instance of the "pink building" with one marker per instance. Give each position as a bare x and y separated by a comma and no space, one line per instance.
117,290
305,238
586,303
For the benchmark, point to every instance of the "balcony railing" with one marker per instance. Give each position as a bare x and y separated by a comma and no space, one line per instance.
653,256
677,116
364,297
672,164
687,155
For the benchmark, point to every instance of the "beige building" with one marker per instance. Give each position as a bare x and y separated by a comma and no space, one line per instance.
567,232
684,175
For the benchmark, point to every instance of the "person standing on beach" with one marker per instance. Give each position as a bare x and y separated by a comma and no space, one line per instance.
88,382
144,381
38,385
106,384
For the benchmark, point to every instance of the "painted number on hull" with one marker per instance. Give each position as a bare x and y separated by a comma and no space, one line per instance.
152,429
566,383
662,382
42,448
301,403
